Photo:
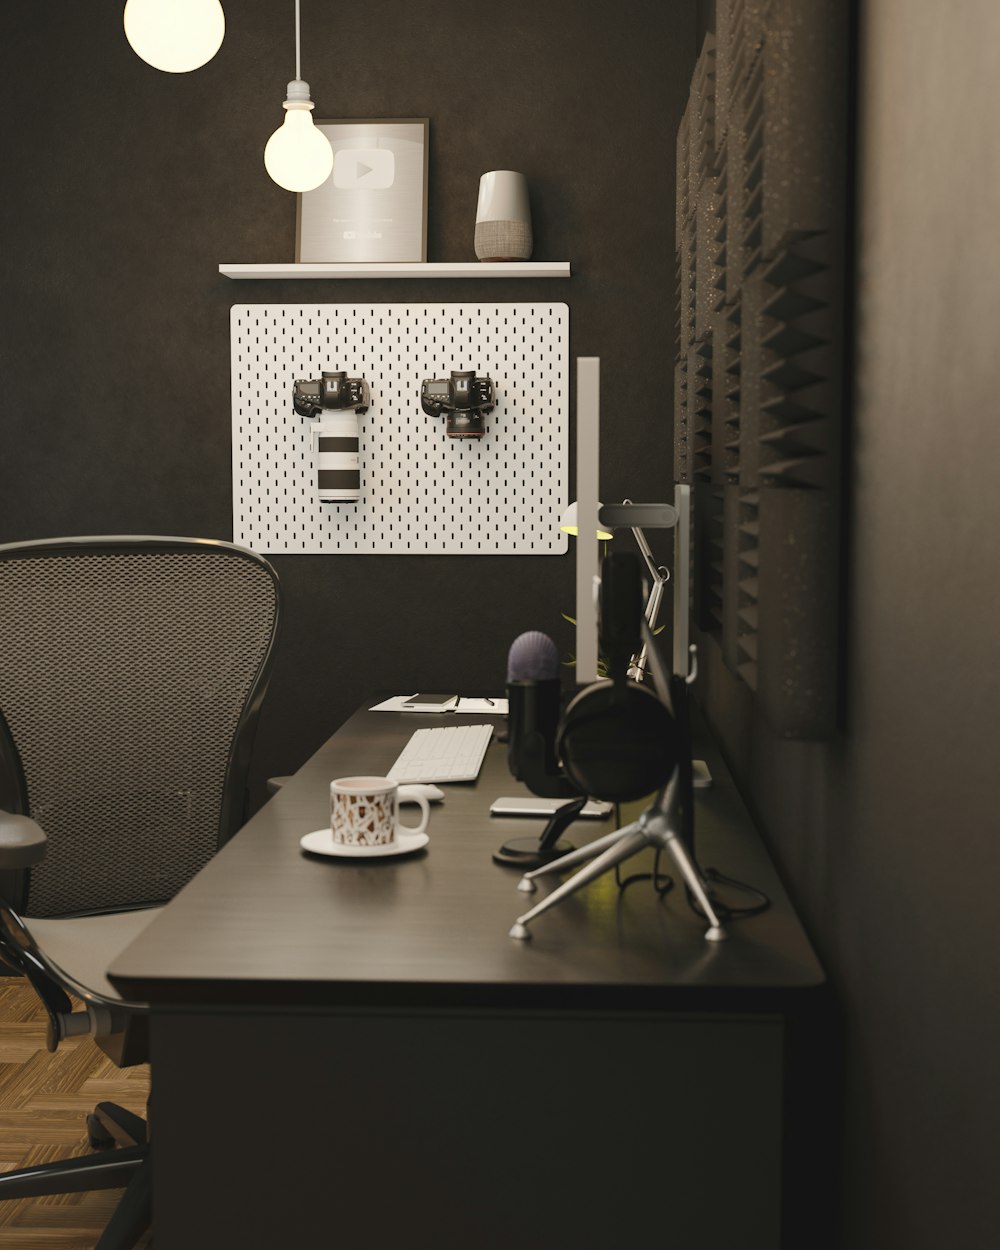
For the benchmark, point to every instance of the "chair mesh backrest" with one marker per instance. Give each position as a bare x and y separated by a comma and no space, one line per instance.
123,677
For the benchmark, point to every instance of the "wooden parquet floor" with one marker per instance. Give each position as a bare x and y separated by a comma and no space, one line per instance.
44,1100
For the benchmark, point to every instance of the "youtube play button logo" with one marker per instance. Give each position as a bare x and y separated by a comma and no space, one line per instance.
364,169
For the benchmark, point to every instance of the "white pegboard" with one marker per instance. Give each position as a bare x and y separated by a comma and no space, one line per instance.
422,493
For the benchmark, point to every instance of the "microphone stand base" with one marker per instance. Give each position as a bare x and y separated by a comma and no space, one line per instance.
659,826
526,853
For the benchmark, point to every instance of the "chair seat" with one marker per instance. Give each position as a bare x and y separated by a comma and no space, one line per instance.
83,947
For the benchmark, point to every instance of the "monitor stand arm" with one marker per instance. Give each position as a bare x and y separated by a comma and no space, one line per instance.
659,826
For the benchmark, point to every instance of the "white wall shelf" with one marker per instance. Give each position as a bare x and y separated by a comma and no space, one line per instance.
410,269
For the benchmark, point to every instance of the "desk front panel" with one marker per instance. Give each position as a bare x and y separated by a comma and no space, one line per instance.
482,1130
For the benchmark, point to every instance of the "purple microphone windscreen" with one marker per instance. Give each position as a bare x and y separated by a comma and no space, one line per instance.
532,657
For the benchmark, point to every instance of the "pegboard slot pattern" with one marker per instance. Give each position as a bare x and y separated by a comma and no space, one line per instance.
423,493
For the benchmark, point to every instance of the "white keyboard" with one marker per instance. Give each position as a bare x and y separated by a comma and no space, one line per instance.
452,754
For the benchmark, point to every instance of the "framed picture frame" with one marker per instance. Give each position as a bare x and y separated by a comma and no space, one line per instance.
373,207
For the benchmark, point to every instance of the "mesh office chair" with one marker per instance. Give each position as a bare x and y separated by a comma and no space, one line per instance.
132,671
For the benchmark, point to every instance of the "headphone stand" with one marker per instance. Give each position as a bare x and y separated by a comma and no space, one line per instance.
658,826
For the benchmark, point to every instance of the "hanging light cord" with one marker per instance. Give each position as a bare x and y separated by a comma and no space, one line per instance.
298,44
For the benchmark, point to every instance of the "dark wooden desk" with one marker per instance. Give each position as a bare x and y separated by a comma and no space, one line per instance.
356,1050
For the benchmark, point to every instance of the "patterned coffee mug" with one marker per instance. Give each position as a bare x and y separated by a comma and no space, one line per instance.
363,811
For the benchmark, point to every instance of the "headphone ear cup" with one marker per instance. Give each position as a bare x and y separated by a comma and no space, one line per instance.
617,744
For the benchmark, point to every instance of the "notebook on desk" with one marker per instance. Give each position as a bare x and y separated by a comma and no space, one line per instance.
456,703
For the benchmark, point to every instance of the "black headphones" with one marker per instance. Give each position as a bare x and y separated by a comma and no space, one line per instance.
616,740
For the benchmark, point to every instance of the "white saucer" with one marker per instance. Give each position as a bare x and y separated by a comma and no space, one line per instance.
320,842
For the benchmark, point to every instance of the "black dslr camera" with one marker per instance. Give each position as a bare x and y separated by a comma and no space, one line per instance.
463,398
332,390
335,438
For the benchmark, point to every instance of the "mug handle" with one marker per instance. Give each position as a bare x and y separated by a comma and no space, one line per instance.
413,795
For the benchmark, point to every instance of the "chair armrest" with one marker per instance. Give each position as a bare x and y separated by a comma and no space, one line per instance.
22,841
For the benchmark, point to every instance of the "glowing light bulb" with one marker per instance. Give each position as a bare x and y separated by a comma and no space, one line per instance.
298,156
175,35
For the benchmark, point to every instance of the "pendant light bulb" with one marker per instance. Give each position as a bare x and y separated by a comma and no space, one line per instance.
175,35
298,156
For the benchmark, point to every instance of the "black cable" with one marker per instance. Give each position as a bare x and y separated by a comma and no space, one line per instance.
723,910
663,883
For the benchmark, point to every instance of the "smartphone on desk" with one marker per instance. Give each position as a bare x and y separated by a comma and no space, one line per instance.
530,805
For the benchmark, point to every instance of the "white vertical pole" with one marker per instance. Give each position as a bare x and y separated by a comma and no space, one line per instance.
588,431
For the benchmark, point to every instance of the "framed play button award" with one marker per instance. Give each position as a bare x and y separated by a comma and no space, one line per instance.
374,204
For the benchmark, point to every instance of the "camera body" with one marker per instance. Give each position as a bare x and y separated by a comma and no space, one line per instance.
335,438
331,391
463,399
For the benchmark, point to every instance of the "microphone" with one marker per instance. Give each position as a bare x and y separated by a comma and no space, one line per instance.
534,698
532,657
534,695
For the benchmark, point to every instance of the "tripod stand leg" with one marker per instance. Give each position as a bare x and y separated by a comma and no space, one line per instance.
627,844
715,932
527,883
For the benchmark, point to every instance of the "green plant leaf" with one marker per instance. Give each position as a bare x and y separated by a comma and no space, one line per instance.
602,665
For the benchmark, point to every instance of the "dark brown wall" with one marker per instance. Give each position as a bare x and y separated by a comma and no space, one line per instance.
126,187
889,834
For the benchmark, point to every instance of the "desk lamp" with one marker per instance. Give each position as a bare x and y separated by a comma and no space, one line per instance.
636,517
639,517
